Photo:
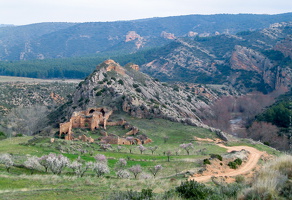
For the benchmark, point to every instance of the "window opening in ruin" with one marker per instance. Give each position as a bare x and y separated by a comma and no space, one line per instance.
91,111
103,112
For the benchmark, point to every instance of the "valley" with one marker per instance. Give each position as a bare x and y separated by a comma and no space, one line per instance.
171,108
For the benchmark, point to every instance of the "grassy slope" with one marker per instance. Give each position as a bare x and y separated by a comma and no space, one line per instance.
20,184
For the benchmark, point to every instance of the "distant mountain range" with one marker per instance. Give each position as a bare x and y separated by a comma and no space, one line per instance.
58,40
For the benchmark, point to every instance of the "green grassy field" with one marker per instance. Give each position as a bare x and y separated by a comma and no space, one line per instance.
19,184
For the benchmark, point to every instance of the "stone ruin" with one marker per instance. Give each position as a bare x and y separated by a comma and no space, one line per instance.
93,118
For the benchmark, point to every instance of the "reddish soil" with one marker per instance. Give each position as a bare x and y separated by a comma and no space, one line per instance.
218,170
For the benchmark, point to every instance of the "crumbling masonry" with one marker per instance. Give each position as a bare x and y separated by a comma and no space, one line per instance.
91,118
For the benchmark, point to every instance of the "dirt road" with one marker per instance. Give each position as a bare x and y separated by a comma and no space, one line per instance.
246,167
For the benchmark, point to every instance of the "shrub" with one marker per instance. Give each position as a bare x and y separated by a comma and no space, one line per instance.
216,156
135,85
193,190
121,82
238,161
145,194
138,90
232,165
206,162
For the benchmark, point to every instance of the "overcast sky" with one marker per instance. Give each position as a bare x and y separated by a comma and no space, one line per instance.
20,12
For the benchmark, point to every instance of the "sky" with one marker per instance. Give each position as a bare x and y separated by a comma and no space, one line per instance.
21,12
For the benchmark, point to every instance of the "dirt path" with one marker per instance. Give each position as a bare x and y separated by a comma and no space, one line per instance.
248,166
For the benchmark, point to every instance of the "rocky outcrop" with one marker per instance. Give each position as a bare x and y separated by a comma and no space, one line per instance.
133,36
166,35
244,58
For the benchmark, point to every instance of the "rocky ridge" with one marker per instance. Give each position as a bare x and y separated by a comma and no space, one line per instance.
251,60
128,90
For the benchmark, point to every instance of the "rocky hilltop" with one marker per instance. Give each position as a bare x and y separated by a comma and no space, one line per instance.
126,89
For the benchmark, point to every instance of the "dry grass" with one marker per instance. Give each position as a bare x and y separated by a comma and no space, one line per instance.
270,180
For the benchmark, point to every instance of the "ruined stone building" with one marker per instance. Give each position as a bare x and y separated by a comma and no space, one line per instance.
91,118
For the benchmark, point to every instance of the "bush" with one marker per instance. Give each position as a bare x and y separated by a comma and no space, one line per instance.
232,165
121,82
193,190
206,162
238,161
216,156
138,90
145,194
135,85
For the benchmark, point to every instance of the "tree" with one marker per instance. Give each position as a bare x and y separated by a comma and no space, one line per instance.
44,162
168,154
119,148
32,163
123,173
57,162
28,120
121,164
154,170
165,139
6,159
100,168
80,168
152,149
142,148
105,147
100,158
130,148
187,147
135,170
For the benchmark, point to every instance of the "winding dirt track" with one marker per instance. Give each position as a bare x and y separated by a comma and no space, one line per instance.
248,166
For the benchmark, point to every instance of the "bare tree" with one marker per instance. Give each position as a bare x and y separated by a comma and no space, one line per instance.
165,139
168,154
142,148
135,170
154,170
187,147
152,149
27,120
119,148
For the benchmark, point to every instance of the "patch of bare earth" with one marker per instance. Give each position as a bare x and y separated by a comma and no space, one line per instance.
220,169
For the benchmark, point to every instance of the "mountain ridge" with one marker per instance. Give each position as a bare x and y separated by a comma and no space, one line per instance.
79,39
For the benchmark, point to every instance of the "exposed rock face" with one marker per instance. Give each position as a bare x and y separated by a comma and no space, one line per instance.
133,36
247,59
166,35
192,34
